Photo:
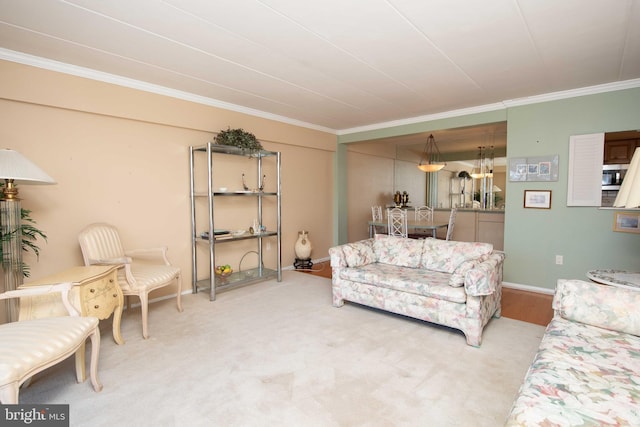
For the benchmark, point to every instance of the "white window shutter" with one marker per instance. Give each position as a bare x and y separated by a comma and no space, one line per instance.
585,170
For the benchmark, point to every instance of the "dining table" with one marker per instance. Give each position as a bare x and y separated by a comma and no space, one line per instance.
422,225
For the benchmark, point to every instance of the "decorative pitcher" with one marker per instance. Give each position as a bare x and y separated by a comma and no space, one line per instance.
303,245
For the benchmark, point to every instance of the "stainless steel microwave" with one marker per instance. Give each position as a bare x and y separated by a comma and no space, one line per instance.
612,176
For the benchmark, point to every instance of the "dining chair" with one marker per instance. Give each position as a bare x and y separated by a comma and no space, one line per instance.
424,213
452,220
31,346
376,215
397,222
143,270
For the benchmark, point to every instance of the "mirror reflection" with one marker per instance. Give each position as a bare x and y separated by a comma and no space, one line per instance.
474,176
462,185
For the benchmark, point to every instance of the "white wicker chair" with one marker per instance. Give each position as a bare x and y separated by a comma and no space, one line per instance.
31,346
452,221
376,215
424,213
143,269
397,222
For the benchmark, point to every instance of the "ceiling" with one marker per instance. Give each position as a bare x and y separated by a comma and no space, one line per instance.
337,65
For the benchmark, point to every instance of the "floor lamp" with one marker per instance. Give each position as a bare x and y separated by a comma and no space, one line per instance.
14,169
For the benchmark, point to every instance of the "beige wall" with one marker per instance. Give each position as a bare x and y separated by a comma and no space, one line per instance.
121,155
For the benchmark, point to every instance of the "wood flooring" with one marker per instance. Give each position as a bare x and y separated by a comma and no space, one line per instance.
531,307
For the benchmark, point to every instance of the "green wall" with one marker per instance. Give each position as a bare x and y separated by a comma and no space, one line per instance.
582,235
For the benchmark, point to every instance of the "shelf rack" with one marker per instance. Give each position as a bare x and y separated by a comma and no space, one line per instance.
216,283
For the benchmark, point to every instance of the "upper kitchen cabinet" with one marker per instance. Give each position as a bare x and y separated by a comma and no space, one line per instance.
619,146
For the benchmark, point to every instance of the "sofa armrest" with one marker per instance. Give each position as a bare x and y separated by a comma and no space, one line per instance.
486,277
337,257
604,306
354,254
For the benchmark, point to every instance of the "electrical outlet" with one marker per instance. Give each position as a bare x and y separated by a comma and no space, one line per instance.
268,245
559,260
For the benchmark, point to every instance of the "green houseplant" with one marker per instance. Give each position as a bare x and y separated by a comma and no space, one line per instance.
238,138
30,234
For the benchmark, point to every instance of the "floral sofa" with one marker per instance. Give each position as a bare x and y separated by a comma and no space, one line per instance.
587,369
455,284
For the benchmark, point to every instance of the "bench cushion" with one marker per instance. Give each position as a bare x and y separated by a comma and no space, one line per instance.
35,343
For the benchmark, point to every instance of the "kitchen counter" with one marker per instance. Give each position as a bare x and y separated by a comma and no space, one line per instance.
476,225
496,211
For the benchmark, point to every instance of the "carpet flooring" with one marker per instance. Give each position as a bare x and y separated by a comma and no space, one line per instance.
279,354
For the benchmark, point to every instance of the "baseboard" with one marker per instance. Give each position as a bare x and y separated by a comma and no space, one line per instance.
528,288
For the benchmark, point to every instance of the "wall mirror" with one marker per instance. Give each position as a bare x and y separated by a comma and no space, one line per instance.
459,147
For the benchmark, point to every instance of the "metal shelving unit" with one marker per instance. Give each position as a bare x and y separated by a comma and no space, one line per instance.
215,283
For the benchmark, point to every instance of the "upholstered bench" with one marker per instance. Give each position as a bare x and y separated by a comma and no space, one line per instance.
31,346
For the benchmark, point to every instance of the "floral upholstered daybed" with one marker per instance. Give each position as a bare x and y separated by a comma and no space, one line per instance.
587,369
455,284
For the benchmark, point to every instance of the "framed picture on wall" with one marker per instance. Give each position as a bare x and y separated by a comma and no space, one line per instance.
537,199
540,168
627,222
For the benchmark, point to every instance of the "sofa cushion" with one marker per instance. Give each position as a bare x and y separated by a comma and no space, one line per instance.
446,255
398,250
412,280
581,375
599,305
359,253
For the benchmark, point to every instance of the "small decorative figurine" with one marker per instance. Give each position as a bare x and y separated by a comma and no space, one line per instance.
244,184
397,199
246,188
405,199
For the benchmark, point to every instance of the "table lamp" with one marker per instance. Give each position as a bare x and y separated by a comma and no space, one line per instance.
629,194
14,169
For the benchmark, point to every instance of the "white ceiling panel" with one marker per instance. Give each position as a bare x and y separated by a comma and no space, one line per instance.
337,64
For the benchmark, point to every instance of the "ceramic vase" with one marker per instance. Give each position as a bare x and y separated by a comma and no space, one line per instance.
303,245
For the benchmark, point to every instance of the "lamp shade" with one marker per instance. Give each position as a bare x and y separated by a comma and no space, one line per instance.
15,166
430,160
629,194
431,167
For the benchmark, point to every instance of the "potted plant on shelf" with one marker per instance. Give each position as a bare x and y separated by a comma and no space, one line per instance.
238,138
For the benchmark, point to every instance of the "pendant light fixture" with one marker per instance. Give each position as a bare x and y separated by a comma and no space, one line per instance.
478,169
430,160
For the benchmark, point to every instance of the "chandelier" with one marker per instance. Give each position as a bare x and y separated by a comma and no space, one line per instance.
484,164
430,160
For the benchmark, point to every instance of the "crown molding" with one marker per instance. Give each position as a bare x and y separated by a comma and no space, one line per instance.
573,93
427,118
503,105
61,67
88,73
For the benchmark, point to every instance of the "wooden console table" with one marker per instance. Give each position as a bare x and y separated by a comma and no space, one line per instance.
95,293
